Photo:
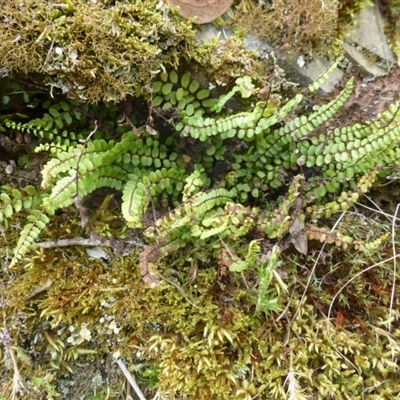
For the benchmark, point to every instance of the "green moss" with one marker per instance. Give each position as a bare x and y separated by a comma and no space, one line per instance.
100,52
217,348
300,26
235,311
91,50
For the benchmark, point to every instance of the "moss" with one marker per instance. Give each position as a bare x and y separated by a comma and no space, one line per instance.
282,323
91,50
300,26
218,348
391,12
100,52
227,60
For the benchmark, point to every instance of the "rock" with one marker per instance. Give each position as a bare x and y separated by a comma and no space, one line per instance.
367,45
317,68
370,35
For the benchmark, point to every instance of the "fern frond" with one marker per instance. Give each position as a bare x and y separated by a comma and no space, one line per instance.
206,201
324,76
111,176
65,190
38,220
82,158
128,142
17,199
194,182
135,199
252,255
303,125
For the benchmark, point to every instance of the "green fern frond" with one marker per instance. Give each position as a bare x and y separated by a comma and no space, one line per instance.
67,188
81,158
38,220
18,199
135,199
196,180
206,201
303,125
324,76
252,255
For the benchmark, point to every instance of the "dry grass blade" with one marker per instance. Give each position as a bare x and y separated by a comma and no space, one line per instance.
294,390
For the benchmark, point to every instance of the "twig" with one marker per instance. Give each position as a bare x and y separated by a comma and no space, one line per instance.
130,379
84,242
180,290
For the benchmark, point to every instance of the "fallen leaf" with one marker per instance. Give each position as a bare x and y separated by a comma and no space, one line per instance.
298,236
204,10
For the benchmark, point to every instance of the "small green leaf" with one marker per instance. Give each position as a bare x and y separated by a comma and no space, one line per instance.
182,104
157,101
53,111
179,94
207,103
59,123
164,76
189,110
8,211
173,76
185,80
211,150
30,190
166,106
68,118
166,89
17,205
194,85
157,87
203,94
64,105
255,193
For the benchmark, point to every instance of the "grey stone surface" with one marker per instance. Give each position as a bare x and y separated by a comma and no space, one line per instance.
366,63
318,67
370,35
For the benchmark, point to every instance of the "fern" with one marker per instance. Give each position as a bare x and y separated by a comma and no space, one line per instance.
38,220
261,148
18,199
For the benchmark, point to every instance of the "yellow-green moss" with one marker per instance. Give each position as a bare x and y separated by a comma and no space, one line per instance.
308,27
219,348
94,51
91,50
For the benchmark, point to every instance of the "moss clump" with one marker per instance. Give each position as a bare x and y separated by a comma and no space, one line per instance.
303,26
91,50
100,52
227,60
209,342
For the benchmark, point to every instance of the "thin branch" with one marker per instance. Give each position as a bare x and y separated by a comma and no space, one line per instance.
85,242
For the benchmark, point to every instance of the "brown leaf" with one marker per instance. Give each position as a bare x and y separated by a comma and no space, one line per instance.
147,258
204,10
298,236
